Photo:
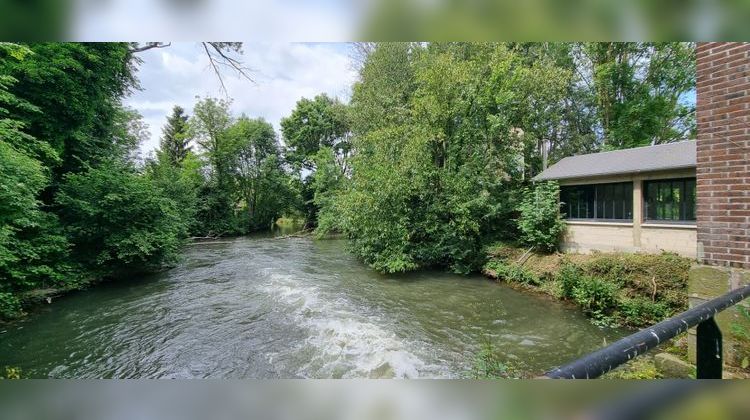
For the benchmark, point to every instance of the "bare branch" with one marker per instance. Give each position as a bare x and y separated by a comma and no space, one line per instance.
215,67
219,54
221,57
147,46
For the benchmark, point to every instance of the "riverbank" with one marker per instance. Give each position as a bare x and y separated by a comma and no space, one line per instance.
618,289
632,290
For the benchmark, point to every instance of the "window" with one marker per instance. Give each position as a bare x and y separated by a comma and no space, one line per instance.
598,201
669,199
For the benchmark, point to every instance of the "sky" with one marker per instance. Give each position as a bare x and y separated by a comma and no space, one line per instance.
283,73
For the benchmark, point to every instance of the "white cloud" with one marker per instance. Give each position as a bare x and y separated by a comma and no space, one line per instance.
283,20
283,74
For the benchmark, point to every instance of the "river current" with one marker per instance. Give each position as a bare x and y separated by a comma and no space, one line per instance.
264,307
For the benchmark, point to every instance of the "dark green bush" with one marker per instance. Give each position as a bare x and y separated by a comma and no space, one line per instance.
597,297
118,220
642,311
10,306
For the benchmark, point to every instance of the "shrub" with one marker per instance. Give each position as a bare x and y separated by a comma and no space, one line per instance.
487,365
568,277
117,219
540,223
642,311
512,273
10,306
639,368
596,296
11,373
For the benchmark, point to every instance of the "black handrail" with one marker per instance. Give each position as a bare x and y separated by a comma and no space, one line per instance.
709,343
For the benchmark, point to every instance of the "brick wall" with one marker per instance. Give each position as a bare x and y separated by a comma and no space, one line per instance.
723,170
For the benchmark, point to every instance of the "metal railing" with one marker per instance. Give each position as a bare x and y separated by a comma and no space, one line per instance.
708,342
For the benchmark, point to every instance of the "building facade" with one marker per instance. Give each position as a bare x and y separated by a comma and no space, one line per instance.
635,200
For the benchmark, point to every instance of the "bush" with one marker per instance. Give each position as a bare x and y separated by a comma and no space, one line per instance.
631,289
118,220
540,223
596,296
642,311
487,365
568,278
11,373
639,368
512,273
10,306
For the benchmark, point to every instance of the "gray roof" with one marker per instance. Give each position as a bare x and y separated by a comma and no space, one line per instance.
640,159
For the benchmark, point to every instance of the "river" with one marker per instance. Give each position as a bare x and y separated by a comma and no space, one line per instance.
267,307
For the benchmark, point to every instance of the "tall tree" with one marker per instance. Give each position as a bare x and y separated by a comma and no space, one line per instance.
175,140
262,184
640,91
78,86
32,247
209,126
318,137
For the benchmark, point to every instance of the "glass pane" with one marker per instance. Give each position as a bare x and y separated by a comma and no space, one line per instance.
618,201
662,210
590,201
690,199
651,200
676,199
670,199
629,201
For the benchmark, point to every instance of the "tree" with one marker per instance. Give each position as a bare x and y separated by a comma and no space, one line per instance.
316,123
32,248
639,89
431,178
220,55
209,125
261,181
315,129
181,183
175,141
78,87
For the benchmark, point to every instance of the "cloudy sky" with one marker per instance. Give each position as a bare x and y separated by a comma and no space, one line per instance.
283,73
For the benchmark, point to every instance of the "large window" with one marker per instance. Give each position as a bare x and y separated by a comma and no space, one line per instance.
598,201
669,199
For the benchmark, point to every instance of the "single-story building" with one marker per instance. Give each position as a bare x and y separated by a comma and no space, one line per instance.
633,200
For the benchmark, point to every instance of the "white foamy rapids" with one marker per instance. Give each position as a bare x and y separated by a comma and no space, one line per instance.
342,342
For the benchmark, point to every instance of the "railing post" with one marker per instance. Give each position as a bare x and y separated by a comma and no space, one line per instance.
709,350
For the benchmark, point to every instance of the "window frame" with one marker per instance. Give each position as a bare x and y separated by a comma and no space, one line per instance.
628,199
645,219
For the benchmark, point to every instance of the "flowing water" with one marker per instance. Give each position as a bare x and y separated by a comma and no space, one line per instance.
286,308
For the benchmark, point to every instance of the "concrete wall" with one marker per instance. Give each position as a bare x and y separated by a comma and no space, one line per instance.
585,237
678,239
635,236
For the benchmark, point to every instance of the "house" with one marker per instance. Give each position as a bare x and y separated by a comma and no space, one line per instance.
633,200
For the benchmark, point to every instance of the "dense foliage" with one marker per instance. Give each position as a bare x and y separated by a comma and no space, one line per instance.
539,221
76,203
317,135
445,137
425,166
628,289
